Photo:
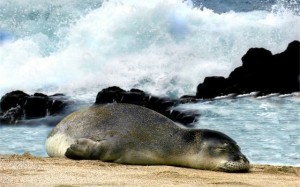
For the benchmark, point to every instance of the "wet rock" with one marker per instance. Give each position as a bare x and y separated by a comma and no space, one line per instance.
18,105
260,72
12,115
56,106
211,87
12,99
109,95
35,107
185,117
188,99
286,74
116,94
162,105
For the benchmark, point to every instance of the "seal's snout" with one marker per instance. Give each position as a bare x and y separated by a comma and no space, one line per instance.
244,159
237,163
235,167
240,158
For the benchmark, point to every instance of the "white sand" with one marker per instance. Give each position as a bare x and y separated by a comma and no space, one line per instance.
26,170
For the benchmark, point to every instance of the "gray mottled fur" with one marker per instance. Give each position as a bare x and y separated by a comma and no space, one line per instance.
131,134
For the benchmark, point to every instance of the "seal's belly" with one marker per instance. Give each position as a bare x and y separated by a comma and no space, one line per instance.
141,158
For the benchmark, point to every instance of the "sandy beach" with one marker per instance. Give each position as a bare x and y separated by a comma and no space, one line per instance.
27,170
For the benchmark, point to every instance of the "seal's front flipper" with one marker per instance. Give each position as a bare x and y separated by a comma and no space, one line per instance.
70,153
84,149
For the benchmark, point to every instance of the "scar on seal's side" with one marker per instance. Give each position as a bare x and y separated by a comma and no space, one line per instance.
131,134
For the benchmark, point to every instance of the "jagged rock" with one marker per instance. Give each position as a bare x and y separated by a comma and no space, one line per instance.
12,99
211,87
18,105
187,117
261,72
162,105
188,99
12,115
116,94
55,106
35,107
109,95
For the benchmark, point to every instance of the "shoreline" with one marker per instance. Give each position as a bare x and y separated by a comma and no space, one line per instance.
28,170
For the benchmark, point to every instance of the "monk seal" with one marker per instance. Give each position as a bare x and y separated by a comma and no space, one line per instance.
131,134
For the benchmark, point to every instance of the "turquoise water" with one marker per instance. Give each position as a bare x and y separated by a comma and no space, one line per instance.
20,139
267,130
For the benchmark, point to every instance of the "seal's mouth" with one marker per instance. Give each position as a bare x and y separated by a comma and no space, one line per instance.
234,166
240,165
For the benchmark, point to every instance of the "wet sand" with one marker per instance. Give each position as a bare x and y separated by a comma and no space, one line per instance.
27,170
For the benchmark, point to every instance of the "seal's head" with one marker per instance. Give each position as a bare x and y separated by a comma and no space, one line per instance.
220,152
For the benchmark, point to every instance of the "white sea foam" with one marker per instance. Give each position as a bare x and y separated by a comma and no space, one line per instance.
165,47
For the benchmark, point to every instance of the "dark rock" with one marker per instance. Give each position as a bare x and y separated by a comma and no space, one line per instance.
136,98
40,95
257,58
137,90
12,115
12,99
188,119
35,107
109,95
18,105
211,87
116,94
57,95
162,105
188,99
56,106
185,117
261,72
286,75
57,103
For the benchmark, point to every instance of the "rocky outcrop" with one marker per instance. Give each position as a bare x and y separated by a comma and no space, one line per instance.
162,105
18,105
260,72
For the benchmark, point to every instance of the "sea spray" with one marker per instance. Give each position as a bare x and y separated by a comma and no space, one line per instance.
163,47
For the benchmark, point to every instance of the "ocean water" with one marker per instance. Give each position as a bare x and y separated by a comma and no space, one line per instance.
165,47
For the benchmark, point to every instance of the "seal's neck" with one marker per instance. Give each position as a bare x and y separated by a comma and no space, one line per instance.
191,136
